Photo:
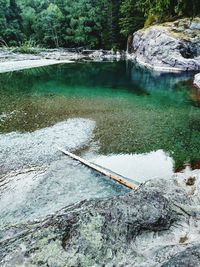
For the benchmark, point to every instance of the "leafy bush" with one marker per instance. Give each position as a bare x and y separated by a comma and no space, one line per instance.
150,20
28,47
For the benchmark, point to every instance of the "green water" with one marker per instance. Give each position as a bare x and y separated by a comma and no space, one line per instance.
135,111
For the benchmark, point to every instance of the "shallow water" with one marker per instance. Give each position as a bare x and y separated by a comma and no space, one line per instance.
19,150
135,111
142,167
140,124
36,178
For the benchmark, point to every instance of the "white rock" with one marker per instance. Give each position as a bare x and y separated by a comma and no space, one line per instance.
197,80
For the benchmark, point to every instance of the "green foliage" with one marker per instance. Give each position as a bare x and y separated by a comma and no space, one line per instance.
13,32
47,26
168,9
131,17
150,20
85,19
28,47
89,23
134,13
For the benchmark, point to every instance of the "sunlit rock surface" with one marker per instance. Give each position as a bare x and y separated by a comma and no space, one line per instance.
156,225
173,46
197,80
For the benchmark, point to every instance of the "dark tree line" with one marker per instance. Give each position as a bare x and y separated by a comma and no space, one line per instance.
90,23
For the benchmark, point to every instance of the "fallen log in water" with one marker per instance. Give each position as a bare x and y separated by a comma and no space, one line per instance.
100,170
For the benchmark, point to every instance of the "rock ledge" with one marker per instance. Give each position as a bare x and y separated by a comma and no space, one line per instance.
156,225
170,47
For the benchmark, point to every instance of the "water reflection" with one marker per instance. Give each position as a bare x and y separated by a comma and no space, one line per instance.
154,80
131,112
139,167
135,110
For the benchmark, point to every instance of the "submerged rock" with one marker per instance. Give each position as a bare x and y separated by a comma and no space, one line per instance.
173,46
156,225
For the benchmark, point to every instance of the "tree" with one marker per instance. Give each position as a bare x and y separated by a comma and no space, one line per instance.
188,8
169,9
28,21
89,23
13,33
113,23
131,18
3,9
85,22
47,26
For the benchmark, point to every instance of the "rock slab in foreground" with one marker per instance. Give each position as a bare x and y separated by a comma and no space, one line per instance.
173,46
156,225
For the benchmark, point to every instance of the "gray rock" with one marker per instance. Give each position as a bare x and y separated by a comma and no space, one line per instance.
168,47
60,54
190,257
195,25
156,225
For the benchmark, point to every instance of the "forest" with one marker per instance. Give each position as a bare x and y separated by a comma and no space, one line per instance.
89,23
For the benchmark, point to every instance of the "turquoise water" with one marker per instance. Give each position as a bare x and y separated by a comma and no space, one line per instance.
141,125
135,111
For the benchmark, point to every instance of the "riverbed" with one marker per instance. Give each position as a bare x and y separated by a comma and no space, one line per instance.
141,124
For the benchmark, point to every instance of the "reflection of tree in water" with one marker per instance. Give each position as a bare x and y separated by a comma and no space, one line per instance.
195,95
154,80
133,110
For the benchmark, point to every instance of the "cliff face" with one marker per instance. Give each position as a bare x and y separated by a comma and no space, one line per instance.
173,46
156,225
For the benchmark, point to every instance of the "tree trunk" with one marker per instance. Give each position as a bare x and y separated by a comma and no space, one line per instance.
129,44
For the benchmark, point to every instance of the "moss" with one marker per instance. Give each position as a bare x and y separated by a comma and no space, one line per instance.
150,20
90,232
50,254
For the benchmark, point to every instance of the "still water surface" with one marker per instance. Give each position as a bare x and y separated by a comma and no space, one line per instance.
135,111
125,118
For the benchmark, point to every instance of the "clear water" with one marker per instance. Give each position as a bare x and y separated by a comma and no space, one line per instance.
140,124
141,167
135,111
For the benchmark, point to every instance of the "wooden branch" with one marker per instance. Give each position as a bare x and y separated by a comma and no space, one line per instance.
100,170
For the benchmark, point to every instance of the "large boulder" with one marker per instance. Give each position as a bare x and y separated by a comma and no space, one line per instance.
173,46
156,225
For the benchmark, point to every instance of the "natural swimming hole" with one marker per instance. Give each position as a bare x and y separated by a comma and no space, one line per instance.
140,124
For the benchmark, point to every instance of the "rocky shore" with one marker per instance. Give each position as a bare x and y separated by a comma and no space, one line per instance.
57,54
13,59
170,47
156,225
